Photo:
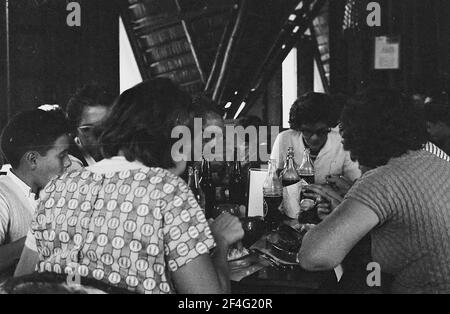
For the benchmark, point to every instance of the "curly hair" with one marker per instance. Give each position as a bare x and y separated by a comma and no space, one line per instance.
380,124
313,108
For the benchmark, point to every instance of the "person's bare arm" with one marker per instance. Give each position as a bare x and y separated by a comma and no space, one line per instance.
326,245
227,230
10,253
197,277
207,274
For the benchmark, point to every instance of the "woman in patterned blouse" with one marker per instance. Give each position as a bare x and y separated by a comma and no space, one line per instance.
127,221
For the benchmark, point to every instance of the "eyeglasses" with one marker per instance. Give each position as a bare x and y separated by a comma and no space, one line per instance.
307,133
86,129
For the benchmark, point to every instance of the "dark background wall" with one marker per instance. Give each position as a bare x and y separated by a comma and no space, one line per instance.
49,59
424,29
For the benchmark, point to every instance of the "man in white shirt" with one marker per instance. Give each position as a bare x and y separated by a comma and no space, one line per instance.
312,118
35,143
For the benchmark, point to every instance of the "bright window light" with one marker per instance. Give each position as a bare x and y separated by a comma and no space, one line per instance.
129,70
243,104
289,85
318,84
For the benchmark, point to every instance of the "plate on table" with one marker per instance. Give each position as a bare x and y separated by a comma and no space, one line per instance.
285,243
239,258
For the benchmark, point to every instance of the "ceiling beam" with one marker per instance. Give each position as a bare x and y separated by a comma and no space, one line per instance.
288,37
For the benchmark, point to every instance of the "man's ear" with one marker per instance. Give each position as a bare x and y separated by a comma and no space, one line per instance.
30,159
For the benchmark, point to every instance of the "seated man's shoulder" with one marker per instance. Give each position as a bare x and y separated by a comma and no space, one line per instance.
335,135
4,180
6,184
289,136
289,133
5,188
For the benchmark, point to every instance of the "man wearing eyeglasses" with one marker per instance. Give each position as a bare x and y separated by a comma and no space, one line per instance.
312,120
86,110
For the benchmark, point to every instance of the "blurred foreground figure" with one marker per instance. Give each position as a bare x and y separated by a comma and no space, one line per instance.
403,202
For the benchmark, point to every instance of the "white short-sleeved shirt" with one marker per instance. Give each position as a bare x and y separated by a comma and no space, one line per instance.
332,159
16,202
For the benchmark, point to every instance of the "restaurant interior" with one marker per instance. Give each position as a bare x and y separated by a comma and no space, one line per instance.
337,183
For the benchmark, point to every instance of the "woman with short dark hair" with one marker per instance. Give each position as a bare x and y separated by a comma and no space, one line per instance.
127,220
403,202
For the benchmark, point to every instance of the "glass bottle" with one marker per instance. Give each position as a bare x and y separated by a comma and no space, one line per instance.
289,175
207,185
273,195
308,204
306,170
191,181
194,185
236,184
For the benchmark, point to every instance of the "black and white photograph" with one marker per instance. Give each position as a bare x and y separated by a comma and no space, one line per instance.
225,152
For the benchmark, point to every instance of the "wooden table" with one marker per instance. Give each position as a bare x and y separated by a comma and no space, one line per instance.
289,279
270,280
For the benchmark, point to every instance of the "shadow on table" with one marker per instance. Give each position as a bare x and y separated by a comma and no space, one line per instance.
271,280
354,279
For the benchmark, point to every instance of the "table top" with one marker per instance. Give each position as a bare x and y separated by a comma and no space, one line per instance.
286,281
289,278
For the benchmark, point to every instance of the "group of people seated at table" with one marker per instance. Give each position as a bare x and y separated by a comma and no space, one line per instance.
94,195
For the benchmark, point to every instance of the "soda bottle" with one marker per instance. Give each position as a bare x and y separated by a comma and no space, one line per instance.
273,196
236,184
289,175
191,181
306,170
308,205
194,185
207,185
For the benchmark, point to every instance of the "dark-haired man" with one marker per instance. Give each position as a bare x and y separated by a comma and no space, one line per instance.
312,119
35,143
86,110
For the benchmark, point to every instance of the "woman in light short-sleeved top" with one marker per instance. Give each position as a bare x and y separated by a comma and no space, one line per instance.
127,221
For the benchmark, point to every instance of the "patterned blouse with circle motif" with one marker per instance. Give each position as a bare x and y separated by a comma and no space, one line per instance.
129,228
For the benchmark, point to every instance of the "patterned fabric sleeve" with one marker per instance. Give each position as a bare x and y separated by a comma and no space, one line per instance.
186,231
375,191
38,224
